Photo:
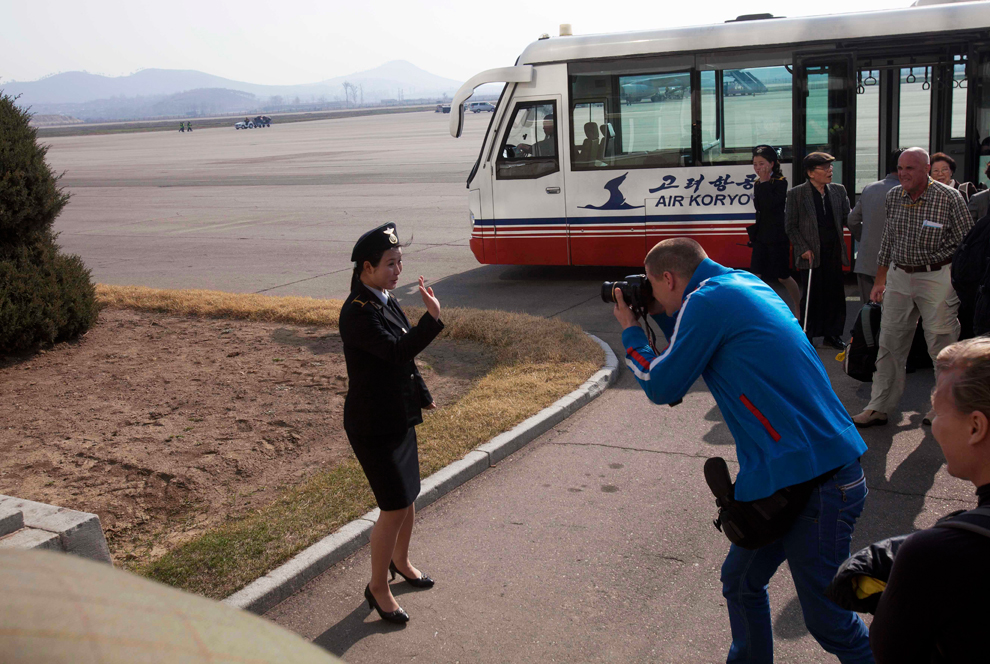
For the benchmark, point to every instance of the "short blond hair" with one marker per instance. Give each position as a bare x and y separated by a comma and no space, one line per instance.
680,255
970,359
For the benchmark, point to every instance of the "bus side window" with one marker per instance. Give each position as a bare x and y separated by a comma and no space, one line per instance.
590,133
630,120
529,149
743,108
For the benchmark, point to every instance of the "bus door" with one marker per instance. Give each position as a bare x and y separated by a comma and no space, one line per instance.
911,101
978,113
824,115
824,118
528,185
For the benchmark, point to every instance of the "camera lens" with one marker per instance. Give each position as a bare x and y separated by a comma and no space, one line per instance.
608,291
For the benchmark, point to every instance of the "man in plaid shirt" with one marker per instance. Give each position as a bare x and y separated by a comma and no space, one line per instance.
926,221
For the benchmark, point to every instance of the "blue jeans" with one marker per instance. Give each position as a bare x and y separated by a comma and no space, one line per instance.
814,547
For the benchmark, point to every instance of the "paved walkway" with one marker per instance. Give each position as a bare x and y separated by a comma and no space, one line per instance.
595,543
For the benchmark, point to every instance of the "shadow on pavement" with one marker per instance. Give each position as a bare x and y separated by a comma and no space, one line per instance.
360,623
718,434
790,622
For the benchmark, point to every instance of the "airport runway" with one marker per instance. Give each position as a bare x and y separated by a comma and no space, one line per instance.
592,544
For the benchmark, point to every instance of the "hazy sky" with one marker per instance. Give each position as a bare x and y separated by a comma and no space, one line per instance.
303,41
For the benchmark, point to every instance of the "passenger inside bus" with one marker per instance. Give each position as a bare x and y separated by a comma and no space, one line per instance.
588,152
607,147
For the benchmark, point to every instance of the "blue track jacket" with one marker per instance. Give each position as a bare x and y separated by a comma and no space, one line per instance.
734,331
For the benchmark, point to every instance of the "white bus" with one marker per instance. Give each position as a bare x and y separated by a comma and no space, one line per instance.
602,145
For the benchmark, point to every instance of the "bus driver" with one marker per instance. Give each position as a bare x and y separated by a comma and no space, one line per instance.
548,146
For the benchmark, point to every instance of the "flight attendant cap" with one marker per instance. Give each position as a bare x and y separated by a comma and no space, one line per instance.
375,240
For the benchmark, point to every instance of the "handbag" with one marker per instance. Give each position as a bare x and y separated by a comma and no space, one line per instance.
751,232
757,523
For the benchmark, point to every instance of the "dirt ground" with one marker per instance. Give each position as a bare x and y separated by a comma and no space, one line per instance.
164,425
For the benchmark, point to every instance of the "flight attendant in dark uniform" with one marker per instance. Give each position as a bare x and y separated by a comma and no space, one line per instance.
771,246
384,403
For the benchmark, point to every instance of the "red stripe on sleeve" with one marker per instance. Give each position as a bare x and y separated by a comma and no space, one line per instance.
639,358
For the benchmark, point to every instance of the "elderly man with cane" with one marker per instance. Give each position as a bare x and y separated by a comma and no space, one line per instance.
814,216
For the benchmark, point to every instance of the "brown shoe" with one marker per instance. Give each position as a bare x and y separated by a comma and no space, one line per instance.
870,418
927,419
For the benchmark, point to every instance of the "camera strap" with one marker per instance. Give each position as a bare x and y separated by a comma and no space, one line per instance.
650,334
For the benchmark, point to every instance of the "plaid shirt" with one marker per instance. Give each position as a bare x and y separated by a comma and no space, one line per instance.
926,231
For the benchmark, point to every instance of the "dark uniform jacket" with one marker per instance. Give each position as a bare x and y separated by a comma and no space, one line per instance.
386,393
801,221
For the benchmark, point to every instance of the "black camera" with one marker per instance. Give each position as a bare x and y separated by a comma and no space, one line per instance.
636,291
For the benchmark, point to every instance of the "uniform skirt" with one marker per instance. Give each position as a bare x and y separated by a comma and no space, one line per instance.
771,260
391,464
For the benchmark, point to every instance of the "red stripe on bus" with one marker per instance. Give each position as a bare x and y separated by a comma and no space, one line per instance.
761,417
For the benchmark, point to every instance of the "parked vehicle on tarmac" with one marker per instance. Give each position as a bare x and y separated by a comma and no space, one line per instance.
482,107
602,145
262,121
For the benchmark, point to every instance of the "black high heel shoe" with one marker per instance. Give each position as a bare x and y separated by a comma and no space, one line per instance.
398,616
422,582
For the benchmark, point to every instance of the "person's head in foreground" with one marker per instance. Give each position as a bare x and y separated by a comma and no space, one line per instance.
962,409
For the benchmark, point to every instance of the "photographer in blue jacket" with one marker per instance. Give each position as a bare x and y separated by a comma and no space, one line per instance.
730,328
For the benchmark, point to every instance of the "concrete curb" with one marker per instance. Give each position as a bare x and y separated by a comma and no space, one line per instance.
26,524
267,591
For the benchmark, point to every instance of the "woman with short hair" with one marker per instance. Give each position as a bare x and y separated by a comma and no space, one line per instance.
943,170
934,607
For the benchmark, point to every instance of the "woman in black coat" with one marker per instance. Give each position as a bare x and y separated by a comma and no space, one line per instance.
384,403
771,247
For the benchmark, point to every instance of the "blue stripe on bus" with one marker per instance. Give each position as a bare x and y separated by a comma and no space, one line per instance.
577,221
726,216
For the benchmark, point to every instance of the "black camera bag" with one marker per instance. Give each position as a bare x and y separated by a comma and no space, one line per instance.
754,524
861,355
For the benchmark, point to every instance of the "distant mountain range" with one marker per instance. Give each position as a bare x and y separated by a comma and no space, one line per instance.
170,92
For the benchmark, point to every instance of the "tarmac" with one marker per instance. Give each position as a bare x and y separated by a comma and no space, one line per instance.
593,542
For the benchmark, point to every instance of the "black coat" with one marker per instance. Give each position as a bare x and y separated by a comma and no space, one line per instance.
801,221
769,200
386,393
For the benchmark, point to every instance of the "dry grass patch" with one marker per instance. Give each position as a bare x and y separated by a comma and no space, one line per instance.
537,361
217,304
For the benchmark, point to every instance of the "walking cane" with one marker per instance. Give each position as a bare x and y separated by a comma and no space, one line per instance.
807,301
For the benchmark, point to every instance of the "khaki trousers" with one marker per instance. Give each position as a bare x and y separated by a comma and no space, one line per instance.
907,296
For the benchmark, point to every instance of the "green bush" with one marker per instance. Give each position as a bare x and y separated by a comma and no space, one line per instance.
45,295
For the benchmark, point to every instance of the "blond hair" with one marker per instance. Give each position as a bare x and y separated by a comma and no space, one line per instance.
970,359
679,255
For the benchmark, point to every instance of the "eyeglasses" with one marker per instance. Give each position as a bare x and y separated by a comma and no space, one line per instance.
824,167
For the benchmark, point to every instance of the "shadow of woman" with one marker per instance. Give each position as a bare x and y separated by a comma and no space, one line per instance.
355,626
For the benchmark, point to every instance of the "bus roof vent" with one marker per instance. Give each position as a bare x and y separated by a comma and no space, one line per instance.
753,17
544,36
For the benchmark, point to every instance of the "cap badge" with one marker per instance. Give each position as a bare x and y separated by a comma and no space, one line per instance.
390,232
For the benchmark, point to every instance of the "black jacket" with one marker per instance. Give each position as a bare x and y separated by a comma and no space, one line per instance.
385,393
801,221
769,200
